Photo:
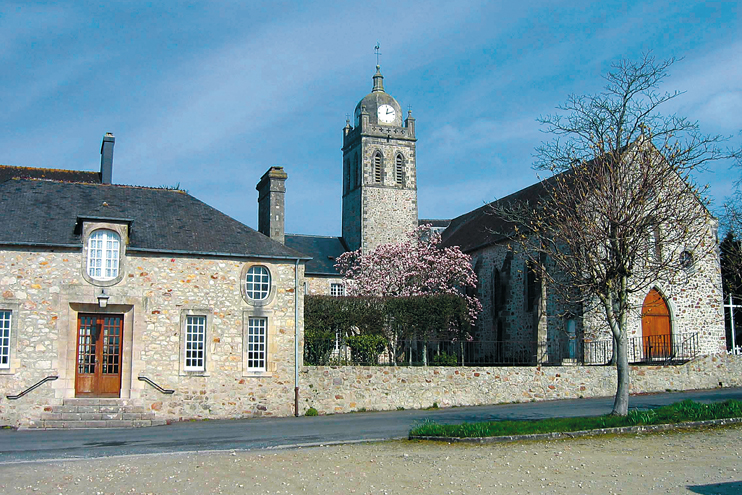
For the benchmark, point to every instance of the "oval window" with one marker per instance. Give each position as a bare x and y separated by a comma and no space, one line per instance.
258,283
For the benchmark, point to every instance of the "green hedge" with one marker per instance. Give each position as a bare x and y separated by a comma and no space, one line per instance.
371,325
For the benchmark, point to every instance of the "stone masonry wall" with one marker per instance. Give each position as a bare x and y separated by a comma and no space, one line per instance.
46,290
345,389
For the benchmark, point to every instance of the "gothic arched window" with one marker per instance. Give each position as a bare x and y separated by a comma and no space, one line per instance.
399,170
356,173
377,167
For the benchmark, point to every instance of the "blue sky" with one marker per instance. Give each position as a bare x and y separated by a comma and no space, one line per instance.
209,95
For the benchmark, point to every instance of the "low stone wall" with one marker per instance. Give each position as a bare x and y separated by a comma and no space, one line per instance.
348,388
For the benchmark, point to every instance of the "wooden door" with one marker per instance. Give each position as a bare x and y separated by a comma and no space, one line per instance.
98,371
656,331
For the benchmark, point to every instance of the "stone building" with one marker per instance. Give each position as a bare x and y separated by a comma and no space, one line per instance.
520,308
110,291
379,196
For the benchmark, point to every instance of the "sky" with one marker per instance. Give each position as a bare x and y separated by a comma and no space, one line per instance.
207,96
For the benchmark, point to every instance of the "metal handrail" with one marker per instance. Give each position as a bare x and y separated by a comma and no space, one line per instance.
49,378
156,386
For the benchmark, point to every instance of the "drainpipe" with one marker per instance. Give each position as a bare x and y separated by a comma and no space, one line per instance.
296,338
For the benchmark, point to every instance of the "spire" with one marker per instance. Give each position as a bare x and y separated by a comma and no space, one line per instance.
378,80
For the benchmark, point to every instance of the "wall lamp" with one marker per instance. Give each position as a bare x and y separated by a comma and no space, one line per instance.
103,298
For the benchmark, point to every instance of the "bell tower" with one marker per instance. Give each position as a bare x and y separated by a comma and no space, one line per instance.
379,172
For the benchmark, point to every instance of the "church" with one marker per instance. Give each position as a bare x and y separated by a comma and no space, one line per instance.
133,306
380,206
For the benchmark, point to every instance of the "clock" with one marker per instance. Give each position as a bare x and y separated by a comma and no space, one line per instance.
387,114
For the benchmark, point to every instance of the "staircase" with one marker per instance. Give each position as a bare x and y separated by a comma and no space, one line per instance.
97,413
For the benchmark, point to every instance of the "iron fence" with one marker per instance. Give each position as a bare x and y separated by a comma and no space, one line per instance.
652,349
338,351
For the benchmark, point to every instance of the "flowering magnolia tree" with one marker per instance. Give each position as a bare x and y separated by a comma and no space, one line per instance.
415,267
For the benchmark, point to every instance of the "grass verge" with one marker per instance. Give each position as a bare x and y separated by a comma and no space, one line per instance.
679,412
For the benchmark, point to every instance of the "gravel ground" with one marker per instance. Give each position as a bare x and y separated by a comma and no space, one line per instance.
705,462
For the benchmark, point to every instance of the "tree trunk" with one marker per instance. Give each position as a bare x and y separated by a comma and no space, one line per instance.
621,352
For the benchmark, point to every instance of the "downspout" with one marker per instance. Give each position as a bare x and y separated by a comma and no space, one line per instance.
296,338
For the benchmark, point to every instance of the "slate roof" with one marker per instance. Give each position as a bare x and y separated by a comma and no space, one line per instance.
323,250
44,212
481,227
7,172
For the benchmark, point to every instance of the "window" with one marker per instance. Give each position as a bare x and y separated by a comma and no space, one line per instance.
533,286
258,283
399,170
103,255
356,172
377,167
257,332
337,290
686,260
195,343
5,319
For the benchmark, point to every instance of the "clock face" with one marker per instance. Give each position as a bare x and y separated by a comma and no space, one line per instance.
386,114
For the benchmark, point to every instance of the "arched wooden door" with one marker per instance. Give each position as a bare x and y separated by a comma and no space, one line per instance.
656,328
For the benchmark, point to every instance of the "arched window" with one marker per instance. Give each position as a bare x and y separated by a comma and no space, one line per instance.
377,167
258,283
399,170
356,172
346,177
103,255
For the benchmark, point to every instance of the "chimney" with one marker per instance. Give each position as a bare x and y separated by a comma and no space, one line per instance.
106,158
271,192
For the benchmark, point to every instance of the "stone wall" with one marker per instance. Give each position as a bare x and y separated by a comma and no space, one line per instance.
320,285
345,389
46,290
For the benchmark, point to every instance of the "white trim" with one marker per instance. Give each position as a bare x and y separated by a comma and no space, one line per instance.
256,344
6,337
195,343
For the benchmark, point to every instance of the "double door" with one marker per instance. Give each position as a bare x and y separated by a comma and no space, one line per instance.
99,342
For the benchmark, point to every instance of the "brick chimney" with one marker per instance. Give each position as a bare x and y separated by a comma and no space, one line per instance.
271,192
106,158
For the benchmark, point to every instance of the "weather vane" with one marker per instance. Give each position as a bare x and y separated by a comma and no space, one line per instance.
376,50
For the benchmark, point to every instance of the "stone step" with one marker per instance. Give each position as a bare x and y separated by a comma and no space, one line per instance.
97,413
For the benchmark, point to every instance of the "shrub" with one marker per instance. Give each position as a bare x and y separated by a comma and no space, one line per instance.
365,349
311,412
444,359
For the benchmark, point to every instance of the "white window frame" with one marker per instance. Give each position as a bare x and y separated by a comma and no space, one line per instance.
263,283
256,344
195,329
6,337
105,256
337,289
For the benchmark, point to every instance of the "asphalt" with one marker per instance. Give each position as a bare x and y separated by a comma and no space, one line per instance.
279,433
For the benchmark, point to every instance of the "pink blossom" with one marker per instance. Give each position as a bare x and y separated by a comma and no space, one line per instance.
415,267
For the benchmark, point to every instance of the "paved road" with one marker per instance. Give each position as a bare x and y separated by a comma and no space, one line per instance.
260,433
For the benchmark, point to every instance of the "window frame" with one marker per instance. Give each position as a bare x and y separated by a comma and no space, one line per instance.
377,159
271,270
109,255
185,315
5,339
336,285
195,333
260,324
88,230
263,292
13,361
399,170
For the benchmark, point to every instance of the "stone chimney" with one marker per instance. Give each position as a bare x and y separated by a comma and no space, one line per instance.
106,158
271,192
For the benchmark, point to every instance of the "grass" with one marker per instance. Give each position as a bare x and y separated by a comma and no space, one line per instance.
678,412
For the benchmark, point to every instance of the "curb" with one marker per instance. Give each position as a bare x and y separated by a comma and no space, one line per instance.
584,433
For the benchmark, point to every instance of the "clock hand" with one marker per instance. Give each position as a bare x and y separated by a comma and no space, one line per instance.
389,111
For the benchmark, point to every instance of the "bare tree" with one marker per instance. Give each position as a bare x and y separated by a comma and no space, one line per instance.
619,210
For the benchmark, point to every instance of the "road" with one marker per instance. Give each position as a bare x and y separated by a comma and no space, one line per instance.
261,433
